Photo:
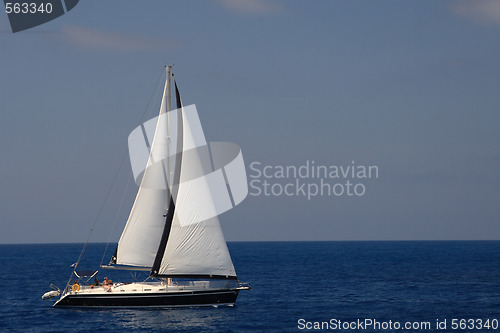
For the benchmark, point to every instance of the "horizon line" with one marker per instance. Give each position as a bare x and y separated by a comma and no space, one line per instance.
292,241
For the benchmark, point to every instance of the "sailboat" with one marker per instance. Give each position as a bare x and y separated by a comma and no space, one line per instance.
173,231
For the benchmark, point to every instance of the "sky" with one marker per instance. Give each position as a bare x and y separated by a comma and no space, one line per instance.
410,87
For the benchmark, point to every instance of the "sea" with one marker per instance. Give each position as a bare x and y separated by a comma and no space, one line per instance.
407,286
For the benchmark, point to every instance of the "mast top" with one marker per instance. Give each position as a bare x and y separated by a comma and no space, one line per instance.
168,89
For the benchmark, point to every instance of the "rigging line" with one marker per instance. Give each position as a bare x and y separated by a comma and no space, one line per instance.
155,91
101,208
114,180
95,221
116,217
111,187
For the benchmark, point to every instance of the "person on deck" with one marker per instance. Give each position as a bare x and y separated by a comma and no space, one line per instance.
107,284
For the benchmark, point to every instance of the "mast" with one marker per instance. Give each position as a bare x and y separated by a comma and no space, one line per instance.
168,69
169,216
168,87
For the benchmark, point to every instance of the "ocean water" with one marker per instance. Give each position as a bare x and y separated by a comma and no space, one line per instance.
397,282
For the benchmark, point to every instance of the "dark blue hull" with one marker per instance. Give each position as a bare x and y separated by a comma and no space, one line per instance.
170,299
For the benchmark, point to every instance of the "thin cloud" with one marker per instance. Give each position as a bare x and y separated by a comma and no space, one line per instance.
251,6
93,38
478,11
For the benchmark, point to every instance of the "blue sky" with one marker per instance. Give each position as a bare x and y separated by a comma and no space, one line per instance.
409,86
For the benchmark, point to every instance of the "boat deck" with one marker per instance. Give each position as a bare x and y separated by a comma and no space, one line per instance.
142,287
